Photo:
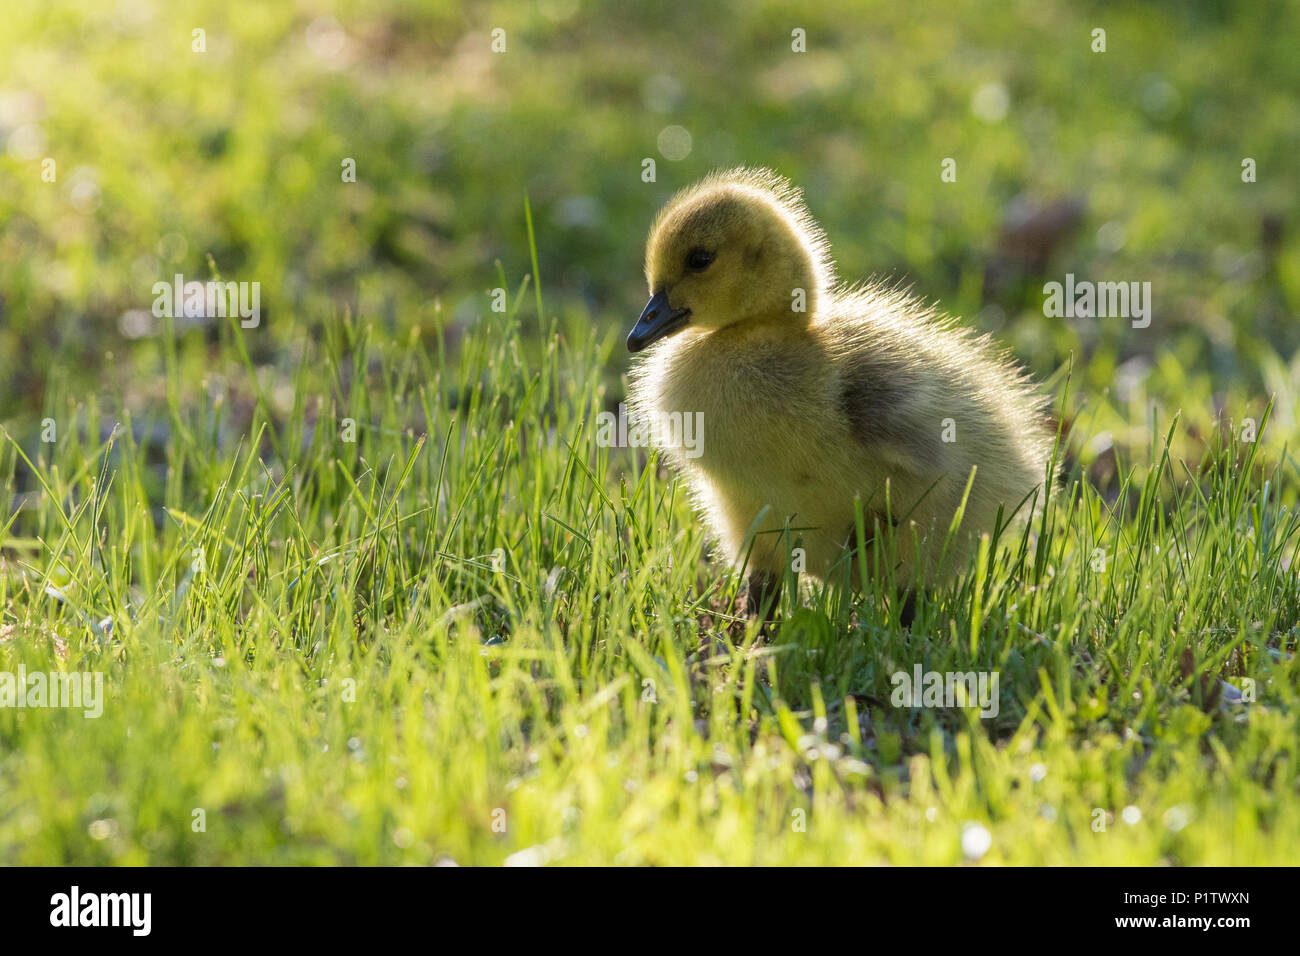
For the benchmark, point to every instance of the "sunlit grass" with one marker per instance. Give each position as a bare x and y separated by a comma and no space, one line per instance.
474,633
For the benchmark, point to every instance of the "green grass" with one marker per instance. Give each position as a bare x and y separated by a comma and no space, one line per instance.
351,679
473,633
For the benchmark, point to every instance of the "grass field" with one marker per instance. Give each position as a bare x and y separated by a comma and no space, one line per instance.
363,586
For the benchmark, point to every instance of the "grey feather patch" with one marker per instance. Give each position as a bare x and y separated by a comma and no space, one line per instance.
877,398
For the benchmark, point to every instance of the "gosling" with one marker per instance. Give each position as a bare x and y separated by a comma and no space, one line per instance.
812,393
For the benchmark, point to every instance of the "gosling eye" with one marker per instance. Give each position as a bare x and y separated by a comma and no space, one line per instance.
698,259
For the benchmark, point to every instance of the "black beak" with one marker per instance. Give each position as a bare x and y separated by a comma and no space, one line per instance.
657,320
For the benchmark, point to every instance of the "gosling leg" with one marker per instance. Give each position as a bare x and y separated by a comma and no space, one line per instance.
764,594
907,613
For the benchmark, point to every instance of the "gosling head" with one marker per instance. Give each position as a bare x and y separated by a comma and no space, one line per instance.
739,247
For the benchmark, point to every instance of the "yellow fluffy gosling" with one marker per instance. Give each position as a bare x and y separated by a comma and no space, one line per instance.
811,392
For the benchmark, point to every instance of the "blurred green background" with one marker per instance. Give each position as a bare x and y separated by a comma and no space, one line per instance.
1122,165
